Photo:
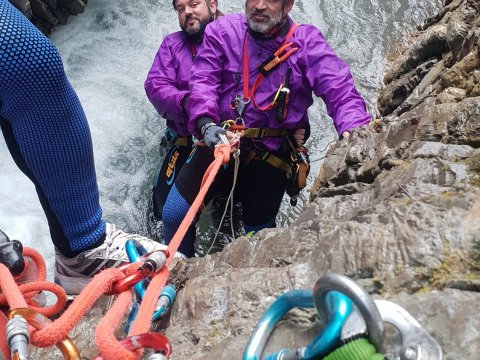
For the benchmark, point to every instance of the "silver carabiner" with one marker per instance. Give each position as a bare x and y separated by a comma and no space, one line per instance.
360,297
417,344
240,105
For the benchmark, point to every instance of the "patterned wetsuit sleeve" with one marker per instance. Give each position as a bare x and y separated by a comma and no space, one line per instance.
161,87
47,132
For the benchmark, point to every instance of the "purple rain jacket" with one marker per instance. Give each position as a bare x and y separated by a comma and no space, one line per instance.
167,81
217,76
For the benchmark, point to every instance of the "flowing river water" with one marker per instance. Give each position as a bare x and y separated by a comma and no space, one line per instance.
107,52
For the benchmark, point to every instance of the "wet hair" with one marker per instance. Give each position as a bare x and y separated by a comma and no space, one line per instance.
175,8
216,15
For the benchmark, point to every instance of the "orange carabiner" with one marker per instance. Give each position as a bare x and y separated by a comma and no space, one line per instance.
39,322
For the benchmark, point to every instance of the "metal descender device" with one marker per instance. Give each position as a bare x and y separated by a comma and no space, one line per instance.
347,312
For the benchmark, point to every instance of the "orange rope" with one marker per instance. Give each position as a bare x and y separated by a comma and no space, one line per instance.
107,344
36,285
100,285
39,262
109,322
10,288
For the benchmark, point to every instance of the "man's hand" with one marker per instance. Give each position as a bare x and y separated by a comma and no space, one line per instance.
345,134
211,134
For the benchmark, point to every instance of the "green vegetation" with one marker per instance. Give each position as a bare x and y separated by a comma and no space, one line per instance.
455,267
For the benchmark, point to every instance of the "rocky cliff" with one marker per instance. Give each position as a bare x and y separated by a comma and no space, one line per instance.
46,14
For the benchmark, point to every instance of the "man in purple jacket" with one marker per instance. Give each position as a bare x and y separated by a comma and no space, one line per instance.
167,88
262,70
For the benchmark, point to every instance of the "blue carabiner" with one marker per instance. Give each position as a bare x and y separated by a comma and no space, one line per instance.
134,250
166,298
339,307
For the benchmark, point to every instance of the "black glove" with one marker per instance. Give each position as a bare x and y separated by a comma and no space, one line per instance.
211,134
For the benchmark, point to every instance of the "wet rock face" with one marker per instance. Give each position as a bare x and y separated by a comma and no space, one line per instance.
446,55
396,206
46,14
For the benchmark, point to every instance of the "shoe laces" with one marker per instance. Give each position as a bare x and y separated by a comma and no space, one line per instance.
115,240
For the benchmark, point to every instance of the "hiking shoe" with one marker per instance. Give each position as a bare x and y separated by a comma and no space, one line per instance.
73,274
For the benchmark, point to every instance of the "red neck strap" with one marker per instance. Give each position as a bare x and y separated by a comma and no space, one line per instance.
193,49
249,93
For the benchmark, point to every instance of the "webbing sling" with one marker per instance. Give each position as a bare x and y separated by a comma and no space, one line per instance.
271,159
359,349
260,133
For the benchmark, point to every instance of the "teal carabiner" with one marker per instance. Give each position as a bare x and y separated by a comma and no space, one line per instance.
359,296
339,307
166,298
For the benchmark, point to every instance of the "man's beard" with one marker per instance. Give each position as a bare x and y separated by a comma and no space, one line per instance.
263,27
196,33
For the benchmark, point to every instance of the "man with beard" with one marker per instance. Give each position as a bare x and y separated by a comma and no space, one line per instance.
262,70
167,89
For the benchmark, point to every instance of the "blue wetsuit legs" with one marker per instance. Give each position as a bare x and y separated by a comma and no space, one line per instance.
47,133
174,211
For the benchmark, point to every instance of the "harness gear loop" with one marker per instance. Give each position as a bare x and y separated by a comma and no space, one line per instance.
274,60
265,68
